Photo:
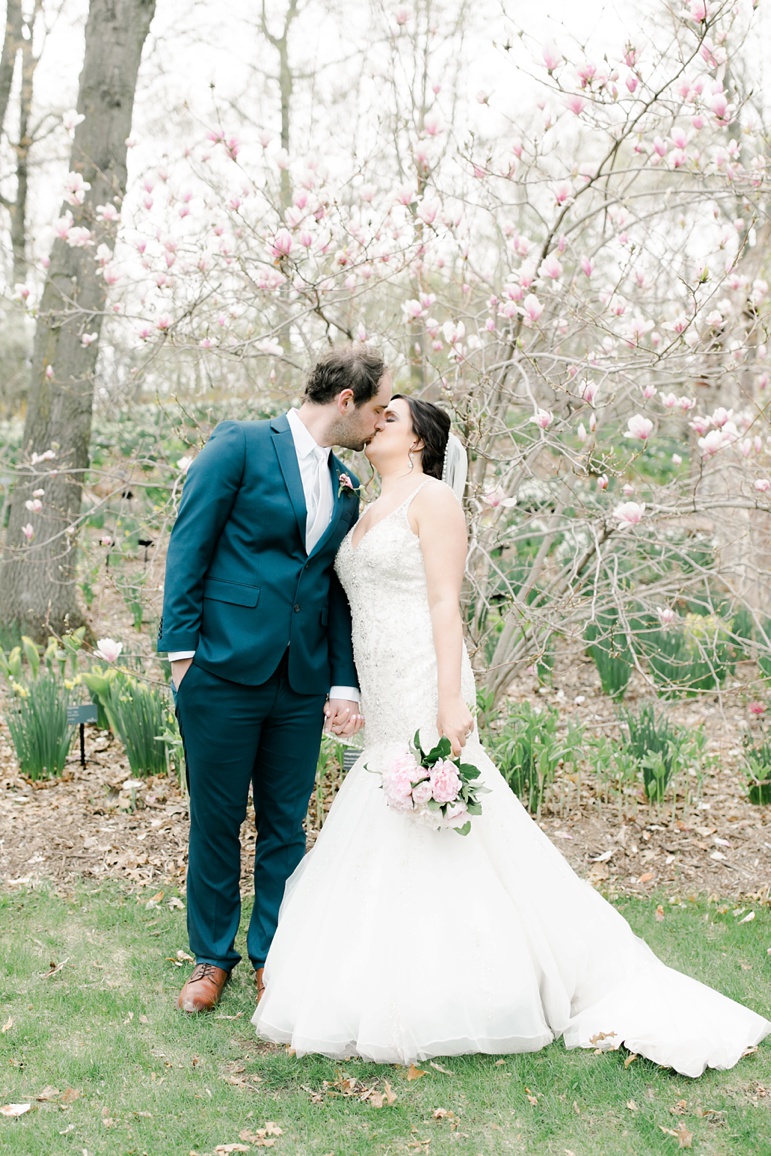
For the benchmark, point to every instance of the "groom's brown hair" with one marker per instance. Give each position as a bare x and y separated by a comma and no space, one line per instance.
356,367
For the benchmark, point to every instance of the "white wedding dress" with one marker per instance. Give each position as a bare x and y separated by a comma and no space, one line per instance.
398,943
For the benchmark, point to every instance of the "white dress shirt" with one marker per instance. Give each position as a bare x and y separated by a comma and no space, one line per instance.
309,455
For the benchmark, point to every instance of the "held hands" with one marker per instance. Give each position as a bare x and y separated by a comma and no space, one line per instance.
342,717
456,721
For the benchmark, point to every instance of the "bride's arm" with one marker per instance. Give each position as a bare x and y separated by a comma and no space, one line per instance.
437,519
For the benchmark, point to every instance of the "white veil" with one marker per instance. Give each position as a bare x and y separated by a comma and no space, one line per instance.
455,467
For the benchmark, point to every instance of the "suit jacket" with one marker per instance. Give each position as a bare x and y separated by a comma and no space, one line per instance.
240,586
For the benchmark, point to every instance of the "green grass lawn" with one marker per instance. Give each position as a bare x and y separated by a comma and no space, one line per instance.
88,986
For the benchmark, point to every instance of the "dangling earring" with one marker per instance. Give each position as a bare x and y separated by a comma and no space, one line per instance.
409,458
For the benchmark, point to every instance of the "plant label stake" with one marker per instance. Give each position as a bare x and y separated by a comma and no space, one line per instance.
80,715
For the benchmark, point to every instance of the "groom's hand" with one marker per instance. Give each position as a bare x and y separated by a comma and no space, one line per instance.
179,669
342,717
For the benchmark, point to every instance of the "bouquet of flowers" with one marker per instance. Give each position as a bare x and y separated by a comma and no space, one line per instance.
432,787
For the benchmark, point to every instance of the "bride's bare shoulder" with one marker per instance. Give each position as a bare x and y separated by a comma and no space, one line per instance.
436,501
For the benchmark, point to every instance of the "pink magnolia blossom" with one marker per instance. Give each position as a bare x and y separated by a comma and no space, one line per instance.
46,456
676,460
587,266
454,332
33,505
631,82
552,57
79,237
28,531
542,418
88,339
108,649
575,104
551,267
75,188
639,427
63,225
587,391
762,485
71,119
497,498
667,616
629,514
697,10
756,708
721,416
712,442
628,490
105,540
602,482
649,391
282,244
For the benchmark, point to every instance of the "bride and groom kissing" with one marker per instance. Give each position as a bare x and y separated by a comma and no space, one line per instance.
285,612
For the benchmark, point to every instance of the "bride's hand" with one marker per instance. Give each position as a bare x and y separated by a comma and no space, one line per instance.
456,721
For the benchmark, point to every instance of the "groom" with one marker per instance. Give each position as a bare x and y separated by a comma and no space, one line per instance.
258,632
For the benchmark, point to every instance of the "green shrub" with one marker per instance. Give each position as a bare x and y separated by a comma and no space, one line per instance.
139,714
610,650
528,751
37,722
757,757
696,655
660,748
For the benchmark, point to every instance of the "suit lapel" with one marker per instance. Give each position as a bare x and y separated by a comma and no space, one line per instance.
283,443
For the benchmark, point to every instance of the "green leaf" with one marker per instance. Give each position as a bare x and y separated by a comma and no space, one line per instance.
464,830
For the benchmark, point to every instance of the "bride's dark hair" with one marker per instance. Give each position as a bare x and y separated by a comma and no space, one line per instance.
432,425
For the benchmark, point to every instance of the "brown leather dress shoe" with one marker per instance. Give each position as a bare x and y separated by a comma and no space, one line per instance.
203,990
259,983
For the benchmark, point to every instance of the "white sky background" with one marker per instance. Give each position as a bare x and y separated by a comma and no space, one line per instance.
194,46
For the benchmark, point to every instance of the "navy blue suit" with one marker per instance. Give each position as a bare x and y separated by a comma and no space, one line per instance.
271,630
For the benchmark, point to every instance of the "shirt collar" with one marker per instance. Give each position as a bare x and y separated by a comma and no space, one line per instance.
304,442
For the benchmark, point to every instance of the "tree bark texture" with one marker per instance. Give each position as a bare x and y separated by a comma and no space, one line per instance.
38,578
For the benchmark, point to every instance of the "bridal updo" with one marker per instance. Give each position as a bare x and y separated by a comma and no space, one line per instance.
432,425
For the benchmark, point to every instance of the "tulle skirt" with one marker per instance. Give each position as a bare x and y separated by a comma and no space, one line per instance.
398,943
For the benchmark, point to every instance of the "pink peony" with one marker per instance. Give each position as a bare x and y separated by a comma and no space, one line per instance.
456,815
421,793
445,781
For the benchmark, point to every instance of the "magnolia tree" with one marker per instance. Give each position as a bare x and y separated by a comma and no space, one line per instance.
583,288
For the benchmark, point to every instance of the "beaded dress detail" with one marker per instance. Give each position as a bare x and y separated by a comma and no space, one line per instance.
398,943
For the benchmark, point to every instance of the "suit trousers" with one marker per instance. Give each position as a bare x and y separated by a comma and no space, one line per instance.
234,735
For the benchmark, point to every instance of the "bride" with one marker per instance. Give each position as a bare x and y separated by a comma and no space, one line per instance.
397,942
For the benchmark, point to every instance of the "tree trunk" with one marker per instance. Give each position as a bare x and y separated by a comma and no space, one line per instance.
38,591
12,42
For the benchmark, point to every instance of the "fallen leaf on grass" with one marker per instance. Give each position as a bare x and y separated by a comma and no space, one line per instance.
599,1038
647,877
750,1051
632,1106
414,1073
443,1114
14,1109
678,1108
47,1094
232,1148
70,1096
378,1099
659,914
748,918
682,1135
630,1059
262,1137
54,968
8,1024
181,958
530,1097
499,1063
176,904
439,1068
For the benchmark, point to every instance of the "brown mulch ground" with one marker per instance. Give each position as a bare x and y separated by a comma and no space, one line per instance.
90,825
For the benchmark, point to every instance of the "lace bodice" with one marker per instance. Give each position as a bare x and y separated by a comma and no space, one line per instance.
385,581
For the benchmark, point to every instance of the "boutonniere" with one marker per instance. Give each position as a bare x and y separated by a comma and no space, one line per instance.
346,486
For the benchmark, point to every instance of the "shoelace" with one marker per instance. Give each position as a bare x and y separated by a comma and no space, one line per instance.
202,971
